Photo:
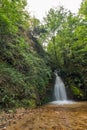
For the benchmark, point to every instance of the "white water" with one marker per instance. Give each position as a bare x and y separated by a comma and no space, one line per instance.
60,94
59,89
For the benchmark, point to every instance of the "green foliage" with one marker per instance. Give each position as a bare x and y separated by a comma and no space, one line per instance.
12,85
24,66
67,46
77,92
83,9
24,73
10,19
54,20
29,103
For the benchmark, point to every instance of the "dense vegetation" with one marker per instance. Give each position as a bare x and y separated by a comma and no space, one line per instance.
24,73
25,68
66,35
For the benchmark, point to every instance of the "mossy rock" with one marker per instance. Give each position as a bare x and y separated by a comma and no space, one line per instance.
77,92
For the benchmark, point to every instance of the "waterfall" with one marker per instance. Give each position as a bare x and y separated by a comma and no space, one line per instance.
59,89
60,92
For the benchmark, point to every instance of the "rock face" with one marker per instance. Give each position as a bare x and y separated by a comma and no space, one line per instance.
53,117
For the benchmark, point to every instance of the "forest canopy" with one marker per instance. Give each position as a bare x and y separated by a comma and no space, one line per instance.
66,37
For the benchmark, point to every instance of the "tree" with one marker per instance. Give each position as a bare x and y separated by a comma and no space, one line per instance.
10,18
70,46
83,9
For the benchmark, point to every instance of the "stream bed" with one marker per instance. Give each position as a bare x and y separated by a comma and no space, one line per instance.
53,117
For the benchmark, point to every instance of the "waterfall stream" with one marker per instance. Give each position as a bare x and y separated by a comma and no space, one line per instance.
60,95
59,89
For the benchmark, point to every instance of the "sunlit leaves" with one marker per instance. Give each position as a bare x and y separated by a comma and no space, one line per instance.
70,43
10,18
83,9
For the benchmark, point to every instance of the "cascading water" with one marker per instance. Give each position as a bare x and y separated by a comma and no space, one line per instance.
59,89
60,92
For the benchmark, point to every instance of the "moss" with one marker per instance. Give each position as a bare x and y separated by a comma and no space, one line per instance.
29,103
77,92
